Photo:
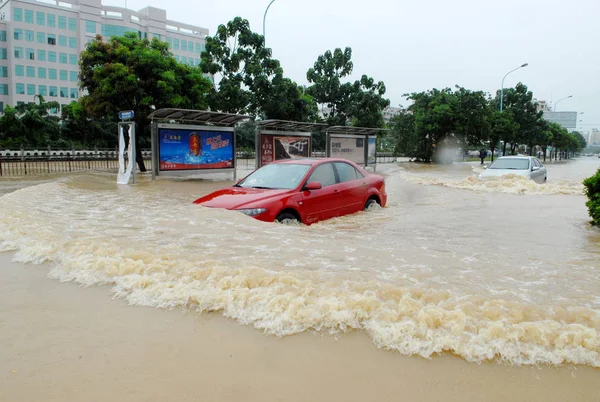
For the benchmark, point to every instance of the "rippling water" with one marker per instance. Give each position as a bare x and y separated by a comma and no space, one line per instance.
496,269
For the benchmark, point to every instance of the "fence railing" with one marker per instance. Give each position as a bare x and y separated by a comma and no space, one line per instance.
38,162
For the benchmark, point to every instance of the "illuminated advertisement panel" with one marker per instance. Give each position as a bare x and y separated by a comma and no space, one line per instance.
192,149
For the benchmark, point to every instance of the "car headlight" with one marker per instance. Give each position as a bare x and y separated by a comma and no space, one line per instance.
252,211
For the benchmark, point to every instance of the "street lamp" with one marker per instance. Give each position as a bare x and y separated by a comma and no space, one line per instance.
555,103
264,18
502,87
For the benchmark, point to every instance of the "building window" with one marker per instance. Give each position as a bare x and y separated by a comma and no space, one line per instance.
51,39
184,45
40,18
2,36
169,42
197,62
3,71
62,40
41,37
62,22
64,92
184,59
74,93
73,59
90,27
52,20
30,89
18,34
52,73
29,36
72,42
52,57
73,76
191,46
62,58
72,24
18,14
18,52
30,71
29,16
42,72
3,89
108,31
52,91
20,89
30,53
3,54
19,71
1,107
43,90
176,44
64,75
41,55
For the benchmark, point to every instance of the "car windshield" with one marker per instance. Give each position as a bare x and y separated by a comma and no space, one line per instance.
511,163
276,176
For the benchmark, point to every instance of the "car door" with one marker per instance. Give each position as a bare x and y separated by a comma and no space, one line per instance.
324,203
353,188
542,171
536,174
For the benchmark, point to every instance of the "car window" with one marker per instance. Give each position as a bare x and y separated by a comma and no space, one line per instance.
324,174
347,172
539,163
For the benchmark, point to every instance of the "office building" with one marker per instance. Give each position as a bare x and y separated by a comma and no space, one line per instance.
40,43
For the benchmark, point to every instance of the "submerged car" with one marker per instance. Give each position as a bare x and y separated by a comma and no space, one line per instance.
302,190
527,166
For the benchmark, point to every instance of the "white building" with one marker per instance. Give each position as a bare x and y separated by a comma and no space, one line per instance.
40,42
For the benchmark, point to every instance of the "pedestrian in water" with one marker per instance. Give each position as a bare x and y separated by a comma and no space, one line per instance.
482,154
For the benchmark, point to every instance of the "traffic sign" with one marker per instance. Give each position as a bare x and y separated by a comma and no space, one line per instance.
126,114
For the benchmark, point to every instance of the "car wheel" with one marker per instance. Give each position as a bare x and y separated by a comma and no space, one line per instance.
545,179
371,204
287,218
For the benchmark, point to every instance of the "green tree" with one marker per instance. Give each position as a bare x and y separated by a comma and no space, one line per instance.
12,130
79,128
502,125
129,73
360,102
519,101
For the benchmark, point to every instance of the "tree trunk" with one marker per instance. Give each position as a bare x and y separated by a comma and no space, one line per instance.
504,149
492,154
545,150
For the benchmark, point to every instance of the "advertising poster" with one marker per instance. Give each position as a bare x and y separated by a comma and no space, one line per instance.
352,148
181,149
274,148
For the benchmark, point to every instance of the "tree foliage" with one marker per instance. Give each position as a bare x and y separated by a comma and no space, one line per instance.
592,190
359,103
129,73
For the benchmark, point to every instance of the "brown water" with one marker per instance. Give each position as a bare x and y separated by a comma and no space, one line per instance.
499,269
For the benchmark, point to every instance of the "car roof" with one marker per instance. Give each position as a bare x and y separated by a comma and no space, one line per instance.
311,161
516,157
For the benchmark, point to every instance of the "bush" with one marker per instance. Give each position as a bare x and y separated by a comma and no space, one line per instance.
592,190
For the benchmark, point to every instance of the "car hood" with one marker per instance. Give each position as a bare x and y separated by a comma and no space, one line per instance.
239,197
504,172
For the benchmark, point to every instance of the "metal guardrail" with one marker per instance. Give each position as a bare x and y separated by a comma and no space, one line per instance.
38,162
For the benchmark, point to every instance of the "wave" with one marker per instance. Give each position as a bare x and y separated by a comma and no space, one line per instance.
159,252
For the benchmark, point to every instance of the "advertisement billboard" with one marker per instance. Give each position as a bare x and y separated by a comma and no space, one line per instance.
351,147
194,148
278,146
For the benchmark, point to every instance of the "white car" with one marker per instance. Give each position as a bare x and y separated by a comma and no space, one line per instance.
527,166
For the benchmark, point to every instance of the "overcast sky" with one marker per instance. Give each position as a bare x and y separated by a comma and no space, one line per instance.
419,45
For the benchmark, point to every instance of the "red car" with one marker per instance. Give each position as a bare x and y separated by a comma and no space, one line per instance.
304,190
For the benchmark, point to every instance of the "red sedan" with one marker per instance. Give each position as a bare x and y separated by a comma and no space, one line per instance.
304,190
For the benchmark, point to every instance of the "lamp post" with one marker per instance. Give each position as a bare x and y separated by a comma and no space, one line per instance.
264,19
502,87
555,103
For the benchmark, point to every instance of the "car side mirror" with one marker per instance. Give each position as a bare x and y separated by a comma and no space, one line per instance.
313,185
535,168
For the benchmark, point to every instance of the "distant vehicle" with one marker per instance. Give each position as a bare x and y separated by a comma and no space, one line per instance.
301,190
527,166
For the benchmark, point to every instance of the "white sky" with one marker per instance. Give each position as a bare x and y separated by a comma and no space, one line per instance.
415,45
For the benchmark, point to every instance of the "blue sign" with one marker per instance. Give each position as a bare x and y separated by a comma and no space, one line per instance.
126,115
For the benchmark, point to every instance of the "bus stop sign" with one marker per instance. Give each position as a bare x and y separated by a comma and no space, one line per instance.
126,115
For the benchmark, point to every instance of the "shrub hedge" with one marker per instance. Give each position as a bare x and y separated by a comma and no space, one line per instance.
592,190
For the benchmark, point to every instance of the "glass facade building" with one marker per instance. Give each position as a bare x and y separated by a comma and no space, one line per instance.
40,43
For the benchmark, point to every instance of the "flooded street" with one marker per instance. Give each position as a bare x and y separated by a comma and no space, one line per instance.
502,269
